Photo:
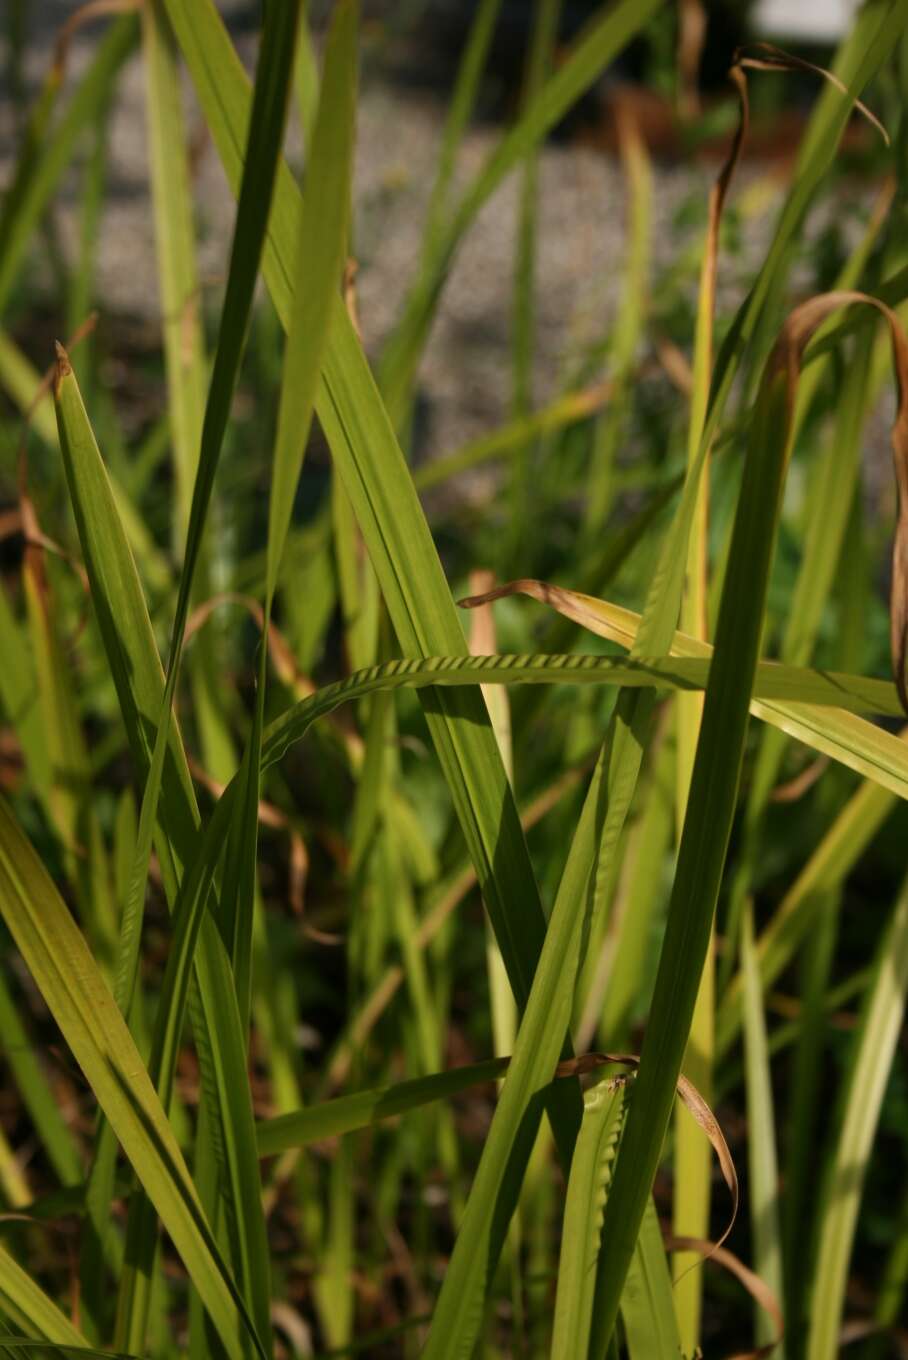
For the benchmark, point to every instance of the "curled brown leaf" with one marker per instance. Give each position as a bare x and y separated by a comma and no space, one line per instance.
92,9
758,1289
786,358
763,56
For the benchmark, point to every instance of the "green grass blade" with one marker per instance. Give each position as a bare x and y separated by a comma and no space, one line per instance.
20,706
836,477
868,45
647,1301
624,340
263,154
501,1000
24,1303
121,612
690,1208
94,1029
806,1115
761,1143
136,670
603,1117
841,847
874,1051
266,126
71,795
613,999
31,1082
704,841
775,682
376,480
321,252
320,255
178,279
265,138
501,1168
185,361
861,55
346,1114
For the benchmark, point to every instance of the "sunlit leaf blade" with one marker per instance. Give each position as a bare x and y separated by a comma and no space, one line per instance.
321,251
763,1164
27,1306
872,1058
713,794
136,669
320,255
180,298
684,673
868,749
67,976
648,1300
603,1116
690,1208
233,1137
399,543
493,1195
293,725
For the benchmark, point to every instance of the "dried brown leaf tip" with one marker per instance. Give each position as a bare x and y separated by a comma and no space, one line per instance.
64,367
764,56
92,9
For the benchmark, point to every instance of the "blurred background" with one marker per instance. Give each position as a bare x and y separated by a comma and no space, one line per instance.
671,82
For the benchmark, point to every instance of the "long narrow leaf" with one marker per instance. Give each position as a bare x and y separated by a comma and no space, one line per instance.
136,670
872,1058
713,793
67,976
399,543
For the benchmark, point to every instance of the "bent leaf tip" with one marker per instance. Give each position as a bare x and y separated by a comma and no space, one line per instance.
63,367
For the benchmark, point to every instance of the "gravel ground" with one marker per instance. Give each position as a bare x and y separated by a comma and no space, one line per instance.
465,376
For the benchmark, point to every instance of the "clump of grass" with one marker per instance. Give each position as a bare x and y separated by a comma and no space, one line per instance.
249,998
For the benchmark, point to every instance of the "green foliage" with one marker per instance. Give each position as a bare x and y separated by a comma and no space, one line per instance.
257,791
